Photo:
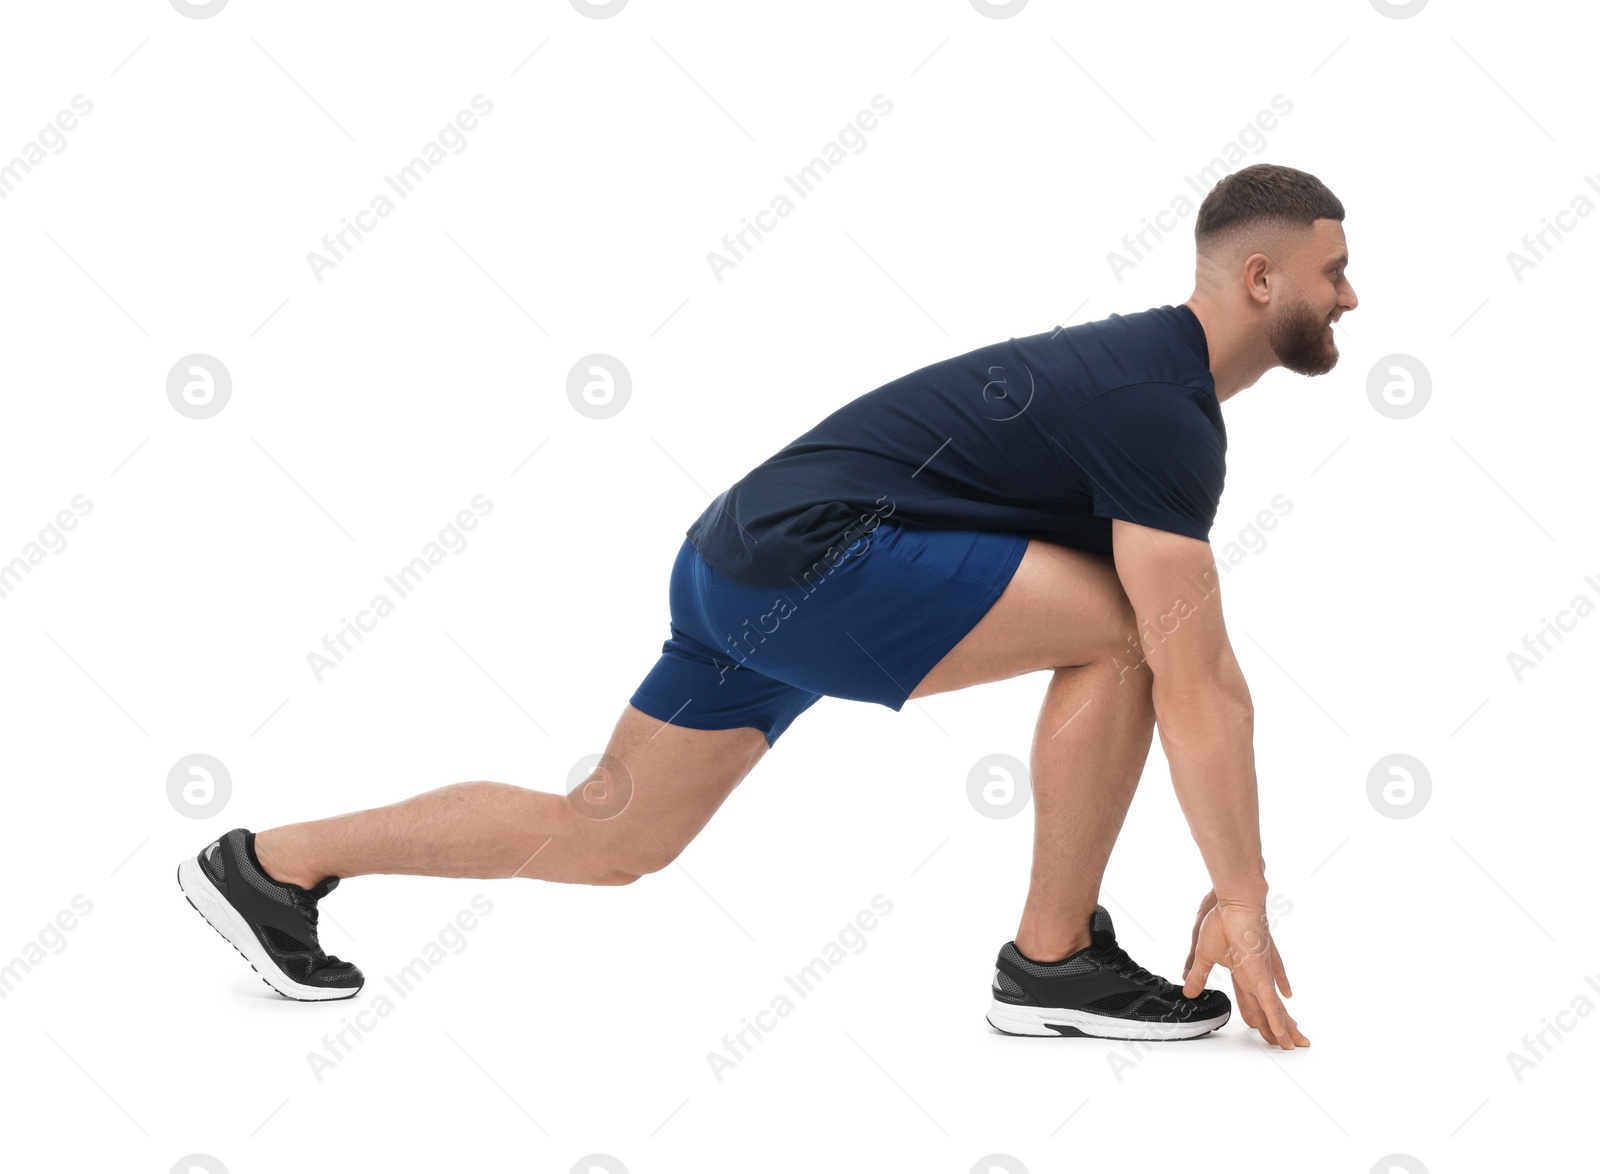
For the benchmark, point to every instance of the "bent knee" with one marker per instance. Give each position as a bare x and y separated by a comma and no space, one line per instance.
1112,635
628,860
613,878
1113,645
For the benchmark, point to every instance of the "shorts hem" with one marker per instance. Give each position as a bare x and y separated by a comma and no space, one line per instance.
969,618
648,707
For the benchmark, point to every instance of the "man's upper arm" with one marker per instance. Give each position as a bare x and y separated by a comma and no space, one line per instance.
1172,582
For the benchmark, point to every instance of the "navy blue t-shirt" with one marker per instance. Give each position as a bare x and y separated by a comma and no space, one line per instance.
1051,435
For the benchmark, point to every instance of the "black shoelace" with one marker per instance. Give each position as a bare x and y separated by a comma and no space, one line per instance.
308,908
1117,958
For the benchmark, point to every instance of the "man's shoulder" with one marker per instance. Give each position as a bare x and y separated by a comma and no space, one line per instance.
1160,345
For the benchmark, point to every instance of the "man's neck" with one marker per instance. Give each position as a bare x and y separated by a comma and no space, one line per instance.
1238,357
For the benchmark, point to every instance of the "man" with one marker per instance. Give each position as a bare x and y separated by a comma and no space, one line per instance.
1040,503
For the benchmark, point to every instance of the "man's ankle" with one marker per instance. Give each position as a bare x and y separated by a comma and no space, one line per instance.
276,861
1048,948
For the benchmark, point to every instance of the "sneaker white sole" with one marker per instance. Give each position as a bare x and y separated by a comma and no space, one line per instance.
209,902
1058,1021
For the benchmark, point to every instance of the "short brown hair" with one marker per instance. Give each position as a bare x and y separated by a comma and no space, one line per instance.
1260,194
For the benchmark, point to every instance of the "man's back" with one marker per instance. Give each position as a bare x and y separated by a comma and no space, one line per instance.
1050,435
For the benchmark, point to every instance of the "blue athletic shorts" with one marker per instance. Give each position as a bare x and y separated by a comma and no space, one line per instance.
868,627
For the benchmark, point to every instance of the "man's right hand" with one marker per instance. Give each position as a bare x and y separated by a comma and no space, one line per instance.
1236,936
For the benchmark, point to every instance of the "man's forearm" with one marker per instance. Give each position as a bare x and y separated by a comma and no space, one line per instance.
1207,723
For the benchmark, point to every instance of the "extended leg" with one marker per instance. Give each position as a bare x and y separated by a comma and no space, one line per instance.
656,786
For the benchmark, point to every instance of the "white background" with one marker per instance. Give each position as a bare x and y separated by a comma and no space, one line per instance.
372,405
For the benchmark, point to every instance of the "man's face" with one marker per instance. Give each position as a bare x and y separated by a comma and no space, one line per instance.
1316,294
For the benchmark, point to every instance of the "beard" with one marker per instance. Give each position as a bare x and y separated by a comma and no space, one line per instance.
1301,340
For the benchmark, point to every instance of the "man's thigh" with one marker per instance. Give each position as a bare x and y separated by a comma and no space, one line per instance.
1062,607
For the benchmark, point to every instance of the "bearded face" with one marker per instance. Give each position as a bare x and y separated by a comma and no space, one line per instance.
1302,338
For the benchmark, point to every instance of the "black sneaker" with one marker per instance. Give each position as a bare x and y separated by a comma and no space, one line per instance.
1100,992
273,925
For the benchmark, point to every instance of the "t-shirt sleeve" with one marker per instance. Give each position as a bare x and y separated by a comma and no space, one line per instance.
1149,454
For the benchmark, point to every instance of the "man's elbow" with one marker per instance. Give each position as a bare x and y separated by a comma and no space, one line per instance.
1211,696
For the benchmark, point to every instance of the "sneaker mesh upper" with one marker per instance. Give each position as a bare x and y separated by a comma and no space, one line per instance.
1074,965
1111,1004
1008,985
